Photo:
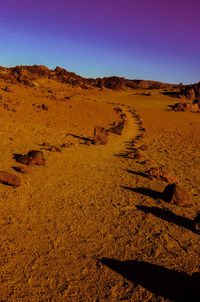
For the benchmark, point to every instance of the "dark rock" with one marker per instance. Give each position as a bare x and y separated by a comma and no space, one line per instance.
138,154
33,157
147,162
10,179
45,144
65,145
100,136
23,169
118,110
174,194
117,129
54,149
8,89
45,107
131,154
87,143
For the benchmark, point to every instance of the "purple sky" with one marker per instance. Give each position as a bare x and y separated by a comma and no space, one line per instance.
157,40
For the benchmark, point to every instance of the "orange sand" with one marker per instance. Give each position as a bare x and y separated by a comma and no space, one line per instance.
82,206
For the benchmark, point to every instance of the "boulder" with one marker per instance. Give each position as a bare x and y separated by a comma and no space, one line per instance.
33,157
10,179
100,136
174,194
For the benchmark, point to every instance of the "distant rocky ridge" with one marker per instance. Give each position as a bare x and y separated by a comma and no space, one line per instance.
27,75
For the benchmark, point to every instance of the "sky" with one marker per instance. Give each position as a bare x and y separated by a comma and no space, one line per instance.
137,39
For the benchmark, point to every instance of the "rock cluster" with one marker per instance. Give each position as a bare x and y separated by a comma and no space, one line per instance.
160,173
189,107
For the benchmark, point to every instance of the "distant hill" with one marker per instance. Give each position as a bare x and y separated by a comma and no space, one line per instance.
27,74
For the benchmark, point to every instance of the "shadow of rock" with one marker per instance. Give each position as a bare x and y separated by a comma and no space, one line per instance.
146,191
169,216
17,156
172,285
138,173
124,155
81,137
173,94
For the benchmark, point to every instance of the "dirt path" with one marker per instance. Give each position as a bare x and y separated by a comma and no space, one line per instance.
52,229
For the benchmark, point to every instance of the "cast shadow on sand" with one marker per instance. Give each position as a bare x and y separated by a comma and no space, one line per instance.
146,191
17,156
80,137
169,216
173,94
173,285
138,173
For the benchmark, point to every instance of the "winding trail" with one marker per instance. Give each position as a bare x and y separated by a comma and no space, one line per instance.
74,216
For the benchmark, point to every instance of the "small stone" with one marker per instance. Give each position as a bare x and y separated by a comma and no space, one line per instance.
54,149
8,89
45,144
144,147
147,162
65,145
45,107
87,143
10,179
138,154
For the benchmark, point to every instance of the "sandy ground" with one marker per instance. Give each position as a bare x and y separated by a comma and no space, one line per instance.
90,203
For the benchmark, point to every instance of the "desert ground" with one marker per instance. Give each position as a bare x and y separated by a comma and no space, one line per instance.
90,225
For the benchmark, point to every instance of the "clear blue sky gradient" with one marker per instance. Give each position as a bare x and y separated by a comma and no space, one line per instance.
155,40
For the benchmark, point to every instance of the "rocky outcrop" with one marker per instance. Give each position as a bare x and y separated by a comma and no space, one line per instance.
187,107
27,75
